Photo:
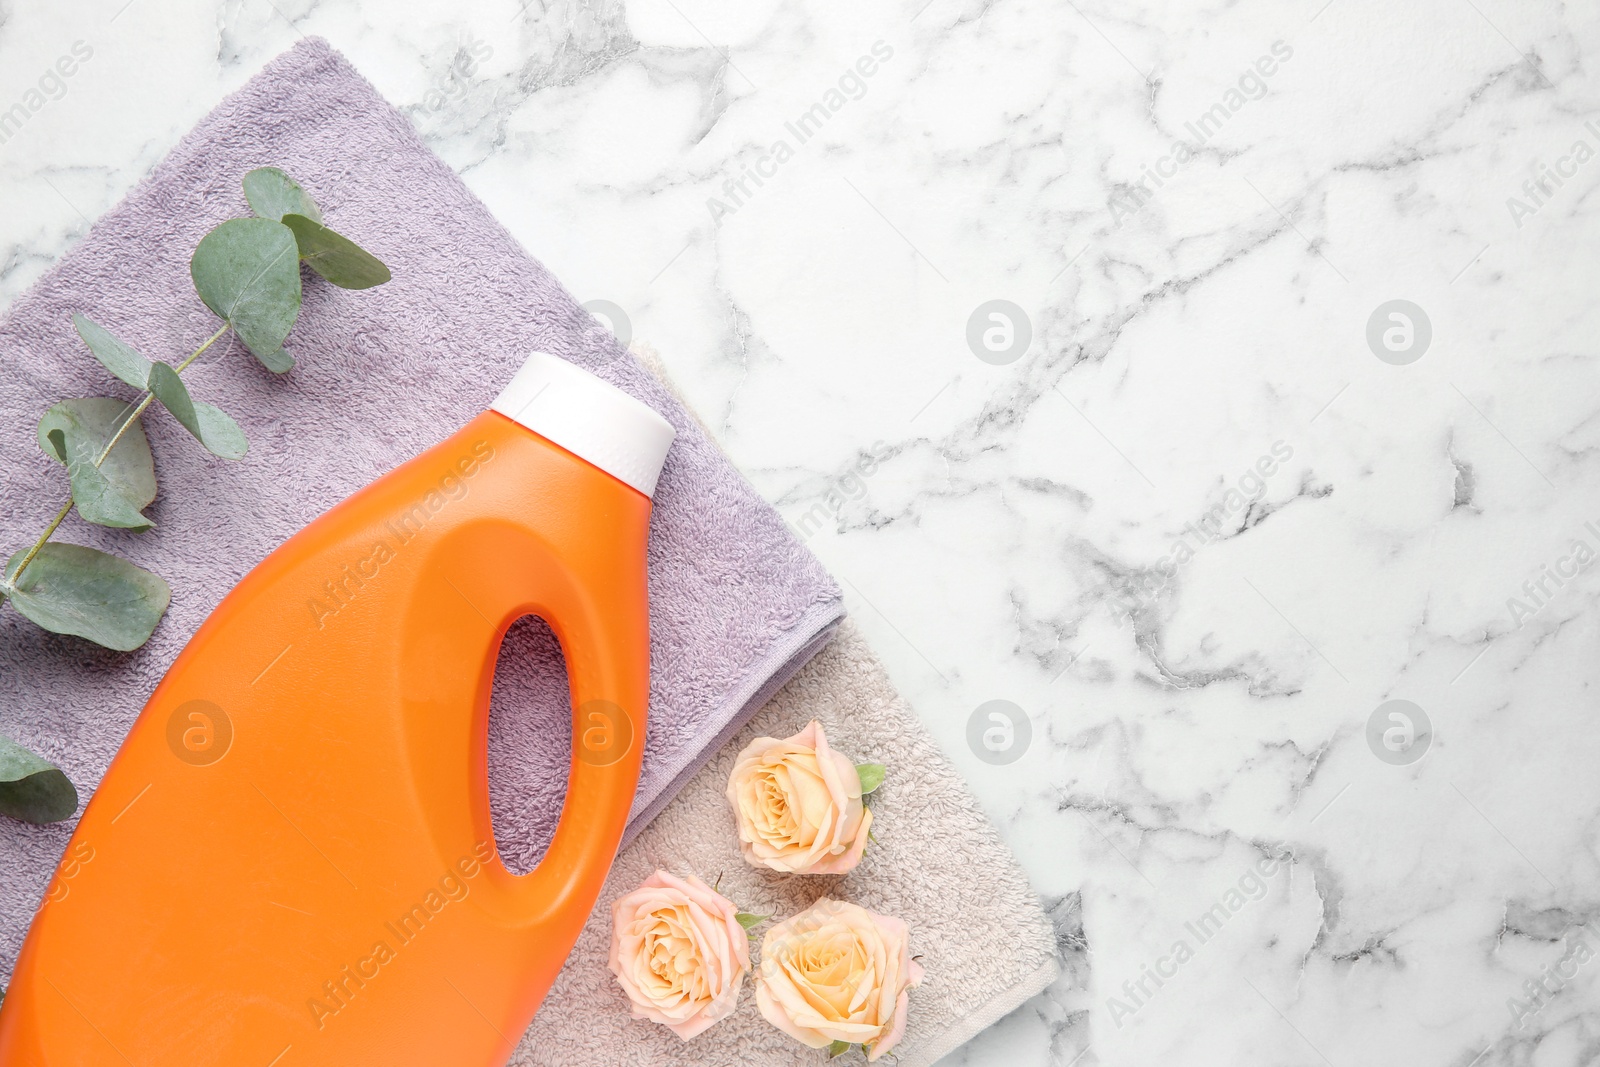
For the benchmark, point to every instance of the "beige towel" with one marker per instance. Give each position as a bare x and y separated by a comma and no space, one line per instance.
938,864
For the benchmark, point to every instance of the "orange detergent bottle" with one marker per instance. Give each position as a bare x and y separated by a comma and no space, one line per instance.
290,861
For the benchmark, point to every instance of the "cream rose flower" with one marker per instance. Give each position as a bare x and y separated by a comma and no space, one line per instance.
838,972
679,952
798,804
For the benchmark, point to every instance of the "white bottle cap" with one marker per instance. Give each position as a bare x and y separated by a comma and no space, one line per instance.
590,418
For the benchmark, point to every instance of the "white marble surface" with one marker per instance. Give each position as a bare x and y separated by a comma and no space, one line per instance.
1219,720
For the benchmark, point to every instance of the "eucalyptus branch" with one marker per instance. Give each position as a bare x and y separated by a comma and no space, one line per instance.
248,272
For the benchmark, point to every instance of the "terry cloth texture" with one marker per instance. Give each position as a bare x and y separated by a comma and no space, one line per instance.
986,944
737,603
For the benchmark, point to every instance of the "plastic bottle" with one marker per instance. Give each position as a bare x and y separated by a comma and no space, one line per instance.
290,861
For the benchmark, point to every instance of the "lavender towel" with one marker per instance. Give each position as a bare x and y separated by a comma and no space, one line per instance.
737,604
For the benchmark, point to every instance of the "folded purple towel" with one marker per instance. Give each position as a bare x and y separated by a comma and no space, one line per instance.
737,603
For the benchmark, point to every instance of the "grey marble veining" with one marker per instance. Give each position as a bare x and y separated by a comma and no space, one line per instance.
1217,512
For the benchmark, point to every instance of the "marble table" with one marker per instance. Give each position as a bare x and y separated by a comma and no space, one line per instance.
1197,402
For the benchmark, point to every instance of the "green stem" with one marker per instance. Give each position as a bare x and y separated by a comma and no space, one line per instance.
37,545
133,417
197,352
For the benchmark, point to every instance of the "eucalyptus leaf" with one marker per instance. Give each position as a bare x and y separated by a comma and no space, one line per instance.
97,500
750,921
334,256
31,787
279,362
273,194
129,467
871,775
70,589
210,426
115,356
248,272
96,497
